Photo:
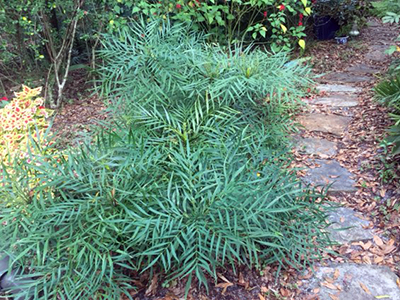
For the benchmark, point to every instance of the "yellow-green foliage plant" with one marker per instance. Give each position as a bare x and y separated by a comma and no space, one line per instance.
22,121
23,138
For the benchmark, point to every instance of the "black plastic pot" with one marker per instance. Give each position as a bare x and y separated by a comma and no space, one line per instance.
8,279
325,27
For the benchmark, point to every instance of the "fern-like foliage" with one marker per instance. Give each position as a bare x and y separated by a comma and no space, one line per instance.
170,64
388,93
191,176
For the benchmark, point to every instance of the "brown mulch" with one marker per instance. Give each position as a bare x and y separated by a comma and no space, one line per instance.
74,122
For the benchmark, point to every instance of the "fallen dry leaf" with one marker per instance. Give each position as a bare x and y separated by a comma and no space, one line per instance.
224,286
336,274
171,296
152,287
284,292
365,288
329,285
378,240
366,246
333,297
367,260
223,277
388,249
261,297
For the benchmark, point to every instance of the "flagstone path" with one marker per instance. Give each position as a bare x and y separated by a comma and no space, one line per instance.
344,281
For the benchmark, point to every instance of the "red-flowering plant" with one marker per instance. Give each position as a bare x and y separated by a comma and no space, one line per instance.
231,21
3,101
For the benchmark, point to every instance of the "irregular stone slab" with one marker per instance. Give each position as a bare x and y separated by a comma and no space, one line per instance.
344,217
338,88
379,47
374,23
351,278
362,69
345,78
331,173
337,100
316,146
376,55
325,123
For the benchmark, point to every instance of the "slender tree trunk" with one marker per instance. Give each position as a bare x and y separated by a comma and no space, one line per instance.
61,57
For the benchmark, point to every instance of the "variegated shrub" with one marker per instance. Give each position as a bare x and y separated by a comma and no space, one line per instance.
22,121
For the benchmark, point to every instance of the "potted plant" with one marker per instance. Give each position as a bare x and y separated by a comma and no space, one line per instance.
342,35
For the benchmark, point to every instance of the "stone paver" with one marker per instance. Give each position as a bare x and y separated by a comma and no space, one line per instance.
345,78
378,47
330,172
351,280
338,88
377,53
347,227
346,281
362,69
325,123
316,146
336,100
374,23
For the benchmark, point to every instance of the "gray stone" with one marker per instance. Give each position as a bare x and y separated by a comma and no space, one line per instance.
350,280
376,55
380,47
338,88
325,123
374,23
316,146
345,78
347,227
331,173
337,100
362,69
4,265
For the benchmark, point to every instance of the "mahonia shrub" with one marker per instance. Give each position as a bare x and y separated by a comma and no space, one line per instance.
188,178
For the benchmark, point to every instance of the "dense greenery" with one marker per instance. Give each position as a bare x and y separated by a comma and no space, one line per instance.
345,12
384,6
191,176
43,40
388,90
